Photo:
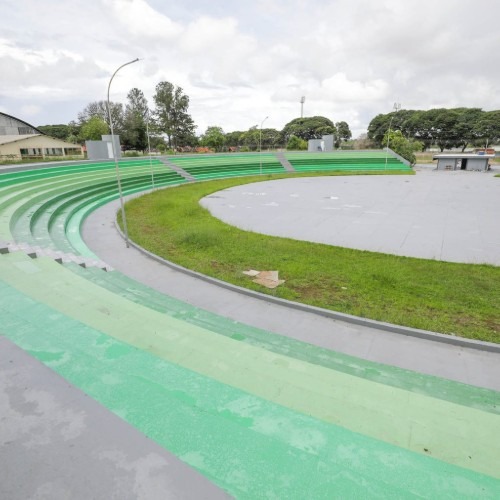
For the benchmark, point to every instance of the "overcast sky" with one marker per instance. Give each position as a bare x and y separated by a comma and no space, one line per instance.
242,60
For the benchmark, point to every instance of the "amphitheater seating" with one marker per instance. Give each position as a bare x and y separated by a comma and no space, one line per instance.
345,161
259,414
230,165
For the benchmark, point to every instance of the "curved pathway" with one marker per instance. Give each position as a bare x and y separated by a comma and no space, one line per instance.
449,216
467,365
254,412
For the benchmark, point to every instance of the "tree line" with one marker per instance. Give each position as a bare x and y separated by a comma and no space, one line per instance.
441,127
169,126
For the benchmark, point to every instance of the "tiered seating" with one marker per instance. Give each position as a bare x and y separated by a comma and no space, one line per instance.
345,161
229,165
259,414
45,207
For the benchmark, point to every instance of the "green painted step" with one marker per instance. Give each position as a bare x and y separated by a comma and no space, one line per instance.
251,447
118,283
451,432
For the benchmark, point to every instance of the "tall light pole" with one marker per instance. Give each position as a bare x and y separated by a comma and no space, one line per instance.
118,179
302,101
149,153
396,108
260,143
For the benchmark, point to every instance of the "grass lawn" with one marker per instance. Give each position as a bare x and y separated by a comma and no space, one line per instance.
459,299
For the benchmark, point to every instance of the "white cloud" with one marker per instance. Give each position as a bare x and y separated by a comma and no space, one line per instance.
242,61
340,88
138,18
30,110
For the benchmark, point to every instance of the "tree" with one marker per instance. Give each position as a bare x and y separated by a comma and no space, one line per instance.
93,129
403,146
467,126
100,110
421,128
313,127
134,135
443,130
343,133
251,138
172,116
296,143
213,138
447,128
362,142
488,128
137,103
377,128
234,139
271,138
58,131
74,130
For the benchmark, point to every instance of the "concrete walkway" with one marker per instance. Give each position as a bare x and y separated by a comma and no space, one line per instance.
58,443
470,366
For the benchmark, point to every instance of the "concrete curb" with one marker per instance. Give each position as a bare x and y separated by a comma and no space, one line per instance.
348,318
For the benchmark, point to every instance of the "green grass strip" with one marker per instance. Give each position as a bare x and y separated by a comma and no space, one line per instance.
406,291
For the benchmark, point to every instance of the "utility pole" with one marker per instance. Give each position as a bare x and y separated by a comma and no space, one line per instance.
302,101
396,108
115,156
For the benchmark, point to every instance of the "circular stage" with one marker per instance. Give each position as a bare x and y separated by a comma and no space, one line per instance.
449,216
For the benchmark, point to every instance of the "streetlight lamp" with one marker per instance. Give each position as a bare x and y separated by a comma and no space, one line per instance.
118,179
260,143
396,108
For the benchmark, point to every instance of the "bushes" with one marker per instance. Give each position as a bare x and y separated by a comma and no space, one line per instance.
402,146
295,143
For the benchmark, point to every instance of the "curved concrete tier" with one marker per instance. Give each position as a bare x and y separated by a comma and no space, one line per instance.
242,405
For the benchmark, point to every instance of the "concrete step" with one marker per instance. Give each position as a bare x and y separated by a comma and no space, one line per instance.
36,251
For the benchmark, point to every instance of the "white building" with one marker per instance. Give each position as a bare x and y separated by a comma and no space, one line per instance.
19,140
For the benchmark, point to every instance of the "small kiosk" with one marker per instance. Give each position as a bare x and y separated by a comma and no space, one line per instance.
463,161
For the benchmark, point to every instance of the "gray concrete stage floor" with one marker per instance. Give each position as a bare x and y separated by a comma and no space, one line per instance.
57,443
466,365
449,216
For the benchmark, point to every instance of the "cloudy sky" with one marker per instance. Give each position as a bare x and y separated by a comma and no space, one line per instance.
242,60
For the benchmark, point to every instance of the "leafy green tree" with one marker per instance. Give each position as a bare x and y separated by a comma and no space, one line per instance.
213,138
446,128
100,109
488,128
378,127
296,144
343,133
313,127
73,139
74,129
402,146
137,103
58,131
234,139
93,129
250,138
362,142
396,120
466,128
271,138
443,130
134,135
172,116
